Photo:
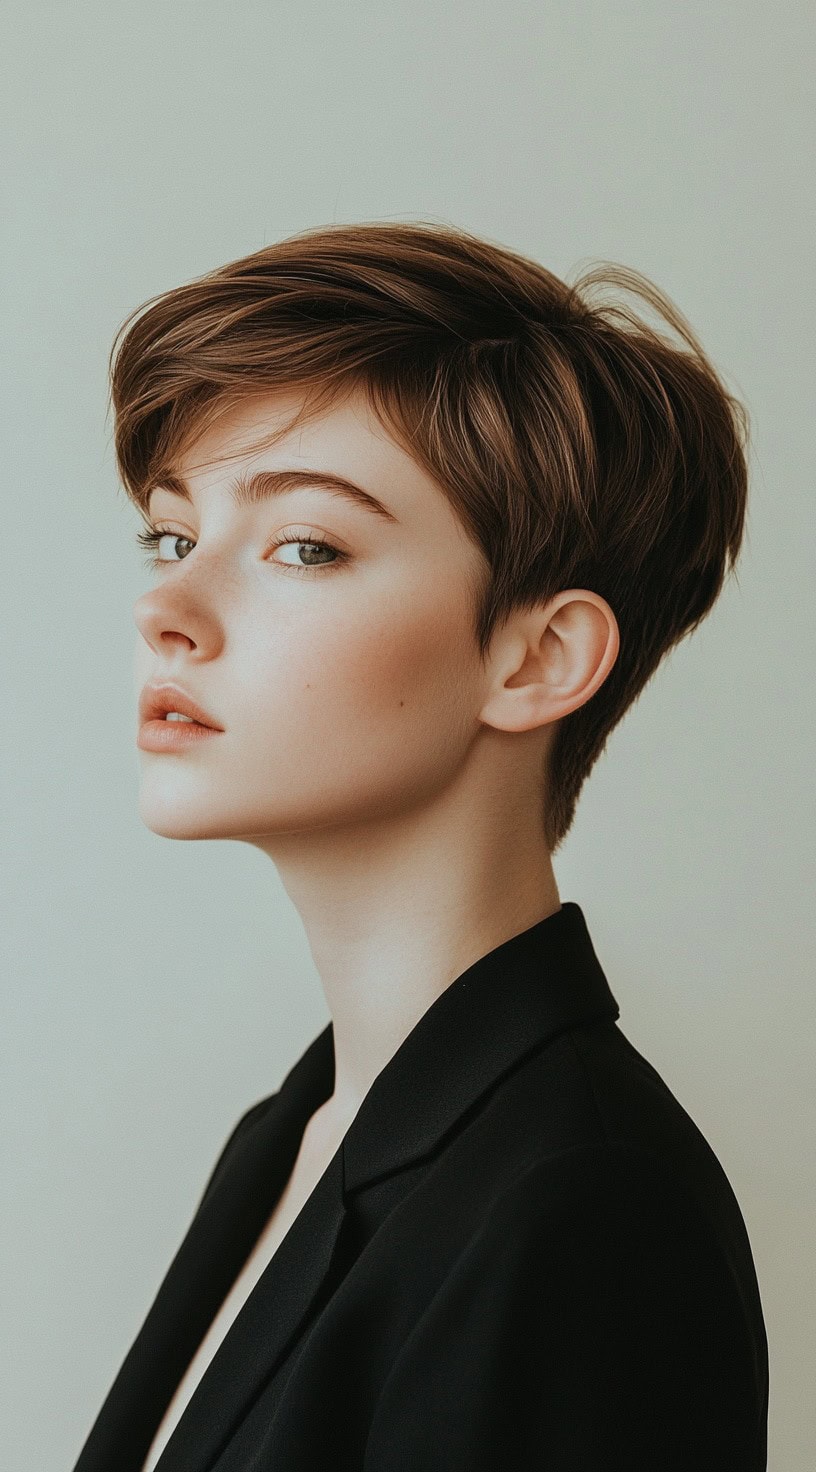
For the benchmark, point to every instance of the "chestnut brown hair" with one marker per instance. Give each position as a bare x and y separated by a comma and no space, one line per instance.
580,446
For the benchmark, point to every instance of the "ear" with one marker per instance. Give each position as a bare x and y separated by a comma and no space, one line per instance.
549,660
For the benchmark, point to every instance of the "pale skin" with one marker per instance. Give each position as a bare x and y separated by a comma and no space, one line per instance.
392,778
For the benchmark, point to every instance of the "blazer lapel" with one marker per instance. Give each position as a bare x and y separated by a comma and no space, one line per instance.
229,1219
258,1339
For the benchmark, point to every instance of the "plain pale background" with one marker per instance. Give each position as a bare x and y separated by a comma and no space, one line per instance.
153,990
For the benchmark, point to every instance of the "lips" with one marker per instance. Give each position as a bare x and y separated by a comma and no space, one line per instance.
157,699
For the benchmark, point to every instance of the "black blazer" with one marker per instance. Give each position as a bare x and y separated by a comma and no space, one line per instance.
523,1255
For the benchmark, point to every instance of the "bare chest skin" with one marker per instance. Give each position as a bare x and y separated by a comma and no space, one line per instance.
312,1160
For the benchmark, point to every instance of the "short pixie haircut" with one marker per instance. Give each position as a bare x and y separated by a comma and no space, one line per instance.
579,446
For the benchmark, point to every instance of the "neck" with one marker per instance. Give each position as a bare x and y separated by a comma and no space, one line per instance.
394,912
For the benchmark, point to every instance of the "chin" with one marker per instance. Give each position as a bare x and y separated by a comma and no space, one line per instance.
179,825
170,811
178,814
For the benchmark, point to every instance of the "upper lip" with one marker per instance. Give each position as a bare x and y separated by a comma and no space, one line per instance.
157,699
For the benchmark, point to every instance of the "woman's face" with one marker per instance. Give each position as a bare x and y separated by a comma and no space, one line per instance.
346,678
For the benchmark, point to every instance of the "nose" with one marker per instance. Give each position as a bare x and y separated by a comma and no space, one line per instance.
158,626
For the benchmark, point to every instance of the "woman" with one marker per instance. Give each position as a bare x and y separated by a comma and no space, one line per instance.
425,519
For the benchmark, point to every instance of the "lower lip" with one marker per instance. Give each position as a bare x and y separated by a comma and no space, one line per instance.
172,735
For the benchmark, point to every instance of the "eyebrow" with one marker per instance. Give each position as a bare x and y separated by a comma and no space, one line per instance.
264,484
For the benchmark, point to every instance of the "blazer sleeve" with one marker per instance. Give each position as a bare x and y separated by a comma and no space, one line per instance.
594,1322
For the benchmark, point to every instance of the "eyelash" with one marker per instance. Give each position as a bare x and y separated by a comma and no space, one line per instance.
150,539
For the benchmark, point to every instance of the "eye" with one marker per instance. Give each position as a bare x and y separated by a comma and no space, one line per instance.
154,536
313,546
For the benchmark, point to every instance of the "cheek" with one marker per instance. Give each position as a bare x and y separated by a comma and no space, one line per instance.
402,663
380,680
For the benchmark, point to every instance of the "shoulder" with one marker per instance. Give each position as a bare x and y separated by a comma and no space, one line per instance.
589,1114
250,1117
239,1131
614,1193
602,1251
605,1203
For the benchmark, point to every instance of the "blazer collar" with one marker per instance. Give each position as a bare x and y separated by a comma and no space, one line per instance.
509,1002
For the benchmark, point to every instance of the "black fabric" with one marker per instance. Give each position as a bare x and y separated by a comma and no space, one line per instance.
524,1254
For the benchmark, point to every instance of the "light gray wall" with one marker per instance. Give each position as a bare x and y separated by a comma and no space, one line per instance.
152,990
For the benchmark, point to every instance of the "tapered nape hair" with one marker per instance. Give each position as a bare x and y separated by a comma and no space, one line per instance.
580,445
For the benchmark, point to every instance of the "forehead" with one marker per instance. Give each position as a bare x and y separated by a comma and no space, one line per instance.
346,439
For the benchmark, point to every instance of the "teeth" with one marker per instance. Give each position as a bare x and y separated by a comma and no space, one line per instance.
175,715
